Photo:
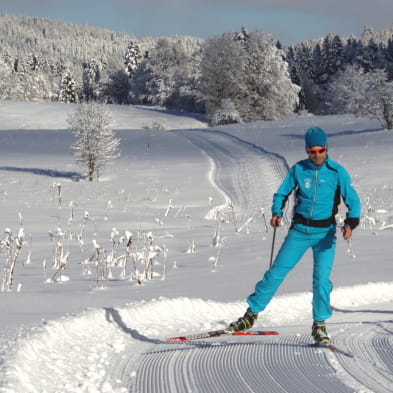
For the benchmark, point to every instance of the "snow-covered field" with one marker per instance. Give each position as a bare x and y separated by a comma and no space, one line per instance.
66,331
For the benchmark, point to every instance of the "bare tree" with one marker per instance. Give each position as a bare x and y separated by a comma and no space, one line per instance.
95,143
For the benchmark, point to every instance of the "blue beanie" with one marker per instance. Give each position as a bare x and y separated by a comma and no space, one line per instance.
315,136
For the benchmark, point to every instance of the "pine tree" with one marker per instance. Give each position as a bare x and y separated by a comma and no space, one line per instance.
95,144
132,58
332,58
92,78
389,59
372,58
67,91
353,51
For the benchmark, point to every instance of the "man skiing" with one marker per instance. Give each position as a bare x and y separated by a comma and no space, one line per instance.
319,184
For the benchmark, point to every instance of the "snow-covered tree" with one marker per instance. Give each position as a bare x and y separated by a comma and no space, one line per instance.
267,92
378,103
222,69
364,94
353,51
170,75
117,88
92,78
389,59
251,73
95,144
132,58
67,92
347,90
5,72
332,58
372,57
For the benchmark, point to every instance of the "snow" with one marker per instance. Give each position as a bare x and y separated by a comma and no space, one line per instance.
74,334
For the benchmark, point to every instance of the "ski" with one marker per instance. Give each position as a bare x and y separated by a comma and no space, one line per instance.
334,349
217,333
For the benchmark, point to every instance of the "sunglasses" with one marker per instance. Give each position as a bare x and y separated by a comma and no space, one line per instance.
315,151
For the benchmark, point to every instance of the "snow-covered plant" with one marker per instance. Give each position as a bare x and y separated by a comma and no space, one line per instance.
225,114
109,206
57,193
189,222
245,225
144,259
264,219
217,233
95,144
128,242
57,276
101,262
153,253
86,217
215,260
72,206
112,257
158,126
231,209
57,238
12,246
165,253
191,247
169,208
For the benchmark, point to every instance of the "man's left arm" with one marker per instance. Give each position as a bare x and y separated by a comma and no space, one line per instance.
352,201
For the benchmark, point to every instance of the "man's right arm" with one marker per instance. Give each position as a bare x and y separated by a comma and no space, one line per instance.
281,196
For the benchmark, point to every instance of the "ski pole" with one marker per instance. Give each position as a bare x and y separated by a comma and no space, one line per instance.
271,253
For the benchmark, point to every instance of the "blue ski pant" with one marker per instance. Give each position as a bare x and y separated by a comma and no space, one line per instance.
299,239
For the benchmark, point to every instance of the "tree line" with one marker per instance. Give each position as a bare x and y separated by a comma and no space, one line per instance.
232,77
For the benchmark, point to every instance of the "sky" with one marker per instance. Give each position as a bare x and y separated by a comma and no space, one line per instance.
288,21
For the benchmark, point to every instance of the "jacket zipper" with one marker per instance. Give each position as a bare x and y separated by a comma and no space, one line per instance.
315,195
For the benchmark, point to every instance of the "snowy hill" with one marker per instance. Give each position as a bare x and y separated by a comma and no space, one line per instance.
69,328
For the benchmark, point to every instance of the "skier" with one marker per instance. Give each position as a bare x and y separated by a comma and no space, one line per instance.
319,183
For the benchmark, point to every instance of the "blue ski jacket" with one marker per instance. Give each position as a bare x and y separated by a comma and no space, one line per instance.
318,190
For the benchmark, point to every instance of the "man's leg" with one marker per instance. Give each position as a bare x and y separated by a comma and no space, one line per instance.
323,253
291,251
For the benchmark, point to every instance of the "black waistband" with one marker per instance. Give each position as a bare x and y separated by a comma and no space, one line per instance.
299,219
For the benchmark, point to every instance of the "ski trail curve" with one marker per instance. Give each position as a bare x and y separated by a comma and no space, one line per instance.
246,174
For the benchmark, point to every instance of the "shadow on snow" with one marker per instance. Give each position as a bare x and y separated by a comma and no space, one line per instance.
75,176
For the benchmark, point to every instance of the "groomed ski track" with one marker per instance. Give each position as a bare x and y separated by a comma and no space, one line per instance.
273,364
246,174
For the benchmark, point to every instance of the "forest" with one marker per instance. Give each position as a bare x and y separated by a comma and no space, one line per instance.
232,77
